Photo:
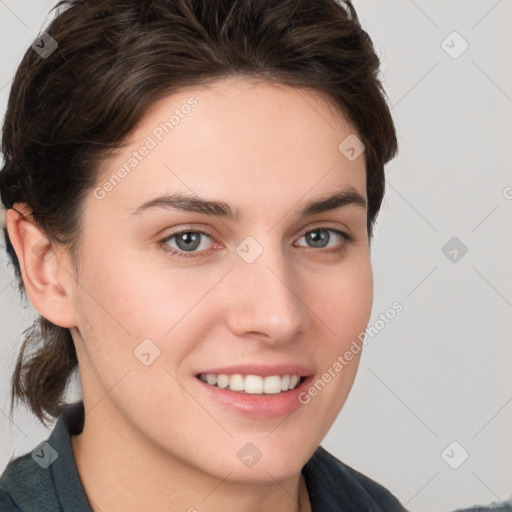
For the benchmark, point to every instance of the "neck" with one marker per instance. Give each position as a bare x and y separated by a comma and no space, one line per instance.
120,471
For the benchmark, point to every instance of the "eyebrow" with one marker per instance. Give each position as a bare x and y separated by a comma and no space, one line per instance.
196,204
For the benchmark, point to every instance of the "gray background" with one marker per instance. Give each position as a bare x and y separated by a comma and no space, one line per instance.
440,371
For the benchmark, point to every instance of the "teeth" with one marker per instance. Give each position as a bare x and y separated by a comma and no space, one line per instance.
236,382
294,379
252,384
222,381
271,385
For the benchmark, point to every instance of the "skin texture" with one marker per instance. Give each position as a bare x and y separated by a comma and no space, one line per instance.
153,440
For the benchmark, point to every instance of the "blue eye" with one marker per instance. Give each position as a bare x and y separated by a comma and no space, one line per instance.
188,241
325,236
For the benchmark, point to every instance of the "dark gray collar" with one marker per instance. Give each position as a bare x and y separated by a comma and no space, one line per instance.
332,485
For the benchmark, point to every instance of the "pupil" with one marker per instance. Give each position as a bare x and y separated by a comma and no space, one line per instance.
188,238
315,239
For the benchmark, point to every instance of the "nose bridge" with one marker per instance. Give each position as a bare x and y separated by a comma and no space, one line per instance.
265,296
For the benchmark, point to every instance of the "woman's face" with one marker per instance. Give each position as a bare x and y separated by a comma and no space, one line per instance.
265,289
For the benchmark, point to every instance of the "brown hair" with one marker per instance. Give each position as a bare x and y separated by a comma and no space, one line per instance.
115,58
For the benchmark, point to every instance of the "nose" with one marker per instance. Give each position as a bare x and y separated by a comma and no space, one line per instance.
266,299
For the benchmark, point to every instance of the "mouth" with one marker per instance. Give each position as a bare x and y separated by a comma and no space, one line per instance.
257,390
256,396
253,384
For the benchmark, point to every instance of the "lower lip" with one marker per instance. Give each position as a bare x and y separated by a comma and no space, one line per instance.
258,406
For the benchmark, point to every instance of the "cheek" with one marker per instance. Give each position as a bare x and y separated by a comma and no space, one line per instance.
123,301
344,303
128,293
344,306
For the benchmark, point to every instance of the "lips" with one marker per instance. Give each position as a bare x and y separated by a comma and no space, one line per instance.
261,370
257,406
252,399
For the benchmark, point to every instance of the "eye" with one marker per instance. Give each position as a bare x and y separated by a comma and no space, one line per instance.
189,242
320,237
186,241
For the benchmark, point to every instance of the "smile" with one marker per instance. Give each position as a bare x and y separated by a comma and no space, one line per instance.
253,384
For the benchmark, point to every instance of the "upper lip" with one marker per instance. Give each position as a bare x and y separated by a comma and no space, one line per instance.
263,370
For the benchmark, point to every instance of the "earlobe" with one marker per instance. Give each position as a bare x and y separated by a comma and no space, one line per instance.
39,262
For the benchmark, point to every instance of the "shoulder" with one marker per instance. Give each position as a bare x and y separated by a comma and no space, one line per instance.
493,507
378,492
46,479
343,486
24,485
14,478
6,502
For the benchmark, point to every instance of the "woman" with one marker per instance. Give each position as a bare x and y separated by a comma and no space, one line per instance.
191,188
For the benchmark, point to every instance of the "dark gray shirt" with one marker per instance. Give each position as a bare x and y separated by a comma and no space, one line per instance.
39,482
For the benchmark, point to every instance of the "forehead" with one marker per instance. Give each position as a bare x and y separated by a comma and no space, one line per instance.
235,139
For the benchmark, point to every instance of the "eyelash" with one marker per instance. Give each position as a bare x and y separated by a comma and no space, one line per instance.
183,254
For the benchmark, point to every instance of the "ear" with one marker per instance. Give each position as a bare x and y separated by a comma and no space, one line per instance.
47,273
